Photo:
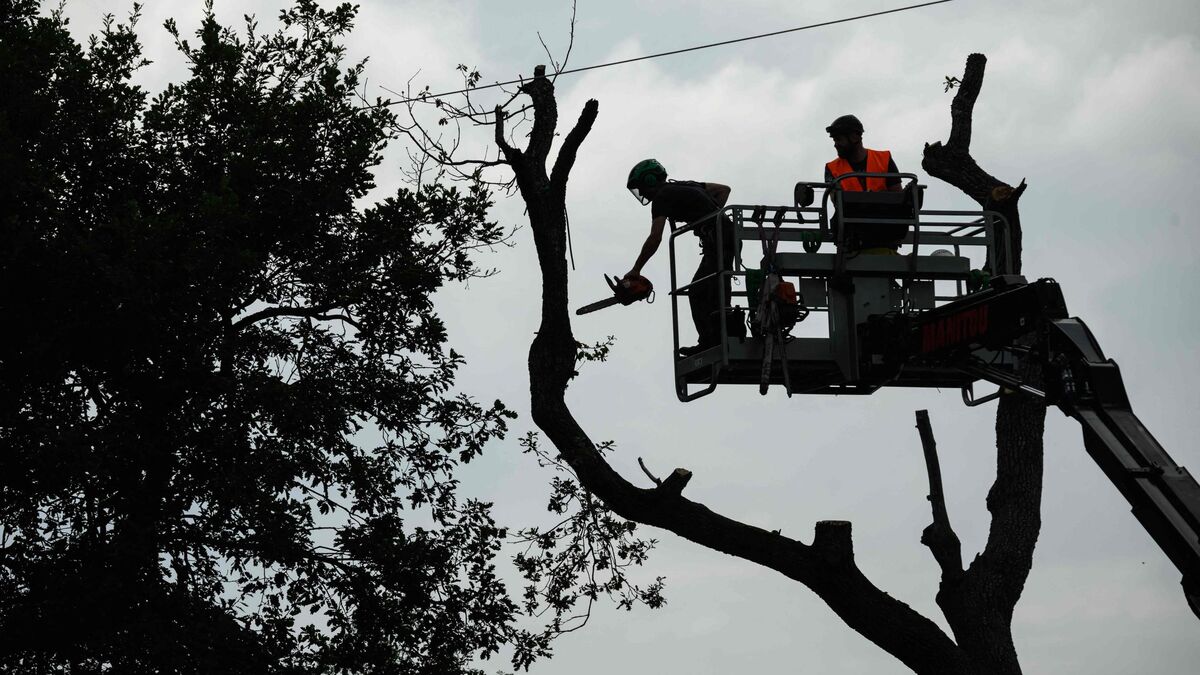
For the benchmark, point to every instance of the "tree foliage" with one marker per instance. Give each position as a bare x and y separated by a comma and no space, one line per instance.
228,428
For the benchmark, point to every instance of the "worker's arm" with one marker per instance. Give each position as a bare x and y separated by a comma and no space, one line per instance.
719,193
651,245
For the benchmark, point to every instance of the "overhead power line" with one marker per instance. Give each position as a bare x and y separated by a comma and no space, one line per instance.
676,51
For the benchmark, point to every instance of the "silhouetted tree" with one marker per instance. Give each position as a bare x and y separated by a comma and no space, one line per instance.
589,552
977,601
228,433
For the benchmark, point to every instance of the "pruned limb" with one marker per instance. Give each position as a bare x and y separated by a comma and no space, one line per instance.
962,108
827,566
832,541
545,119
674,484
510,153
570,146
939,536
954,164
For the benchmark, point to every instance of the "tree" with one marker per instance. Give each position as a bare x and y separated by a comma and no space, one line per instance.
977,601
228,429
590,551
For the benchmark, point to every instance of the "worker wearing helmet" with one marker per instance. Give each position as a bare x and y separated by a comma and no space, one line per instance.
688,202
871,238
846,132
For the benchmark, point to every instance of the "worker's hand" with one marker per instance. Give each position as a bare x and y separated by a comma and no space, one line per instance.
631,274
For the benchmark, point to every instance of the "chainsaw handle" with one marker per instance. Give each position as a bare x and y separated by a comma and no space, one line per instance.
629,291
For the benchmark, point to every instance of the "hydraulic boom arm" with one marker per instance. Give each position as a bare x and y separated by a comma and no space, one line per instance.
1164,496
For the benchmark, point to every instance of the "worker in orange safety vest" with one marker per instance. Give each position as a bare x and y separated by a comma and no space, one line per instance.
877,239
846,132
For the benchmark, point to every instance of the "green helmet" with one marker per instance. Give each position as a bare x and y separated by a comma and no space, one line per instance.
647,173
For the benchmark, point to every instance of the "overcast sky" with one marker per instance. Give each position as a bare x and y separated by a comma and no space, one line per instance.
1096,103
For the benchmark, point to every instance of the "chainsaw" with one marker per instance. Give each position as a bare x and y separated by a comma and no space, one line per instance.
625,292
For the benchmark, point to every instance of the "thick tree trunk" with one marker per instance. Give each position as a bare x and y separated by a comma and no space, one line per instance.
979,603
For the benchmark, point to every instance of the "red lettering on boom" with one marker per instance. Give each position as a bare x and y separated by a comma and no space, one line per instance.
954,329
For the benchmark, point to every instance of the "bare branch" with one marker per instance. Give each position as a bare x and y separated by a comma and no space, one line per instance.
646,471
570,42
954,164
509,151
550,56
345,318
963,106
318,312
939,536
570,146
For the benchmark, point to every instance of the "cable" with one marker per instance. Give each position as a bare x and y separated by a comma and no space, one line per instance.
674,52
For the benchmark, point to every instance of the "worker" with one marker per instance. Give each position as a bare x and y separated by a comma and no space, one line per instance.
689,202
871,238
846,132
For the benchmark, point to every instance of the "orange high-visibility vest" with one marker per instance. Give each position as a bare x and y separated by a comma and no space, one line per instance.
877,162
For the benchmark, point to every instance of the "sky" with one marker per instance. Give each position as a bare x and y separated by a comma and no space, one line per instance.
1096,104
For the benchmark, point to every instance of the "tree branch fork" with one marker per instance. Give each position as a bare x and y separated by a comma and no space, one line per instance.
827,565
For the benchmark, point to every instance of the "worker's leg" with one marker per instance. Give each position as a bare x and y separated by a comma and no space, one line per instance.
705,299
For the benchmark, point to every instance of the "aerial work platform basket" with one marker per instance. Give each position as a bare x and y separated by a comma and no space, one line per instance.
908,302
853,257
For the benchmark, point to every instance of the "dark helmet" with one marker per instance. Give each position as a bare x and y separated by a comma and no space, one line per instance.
647,173
846,124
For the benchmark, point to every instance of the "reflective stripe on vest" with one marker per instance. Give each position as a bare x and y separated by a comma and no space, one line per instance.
877,162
